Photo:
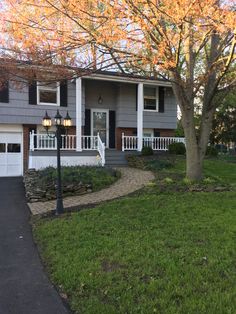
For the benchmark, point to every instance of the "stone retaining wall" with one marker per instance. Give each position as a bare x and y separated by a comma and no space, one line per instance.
38,193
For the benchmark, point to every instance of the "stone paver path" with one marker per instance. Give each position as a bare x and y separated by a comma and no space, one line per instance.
131,180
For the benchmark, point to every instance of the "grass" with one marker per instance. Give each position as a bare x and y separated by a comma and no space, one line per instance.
219,173
153,253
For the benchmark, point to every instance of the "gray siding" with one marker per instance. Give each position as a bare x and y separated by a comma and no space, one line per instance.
120,97
18,110
95,89
127,114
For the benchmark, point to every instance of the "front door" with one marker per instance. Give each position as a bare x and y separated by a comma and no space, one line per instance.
100,124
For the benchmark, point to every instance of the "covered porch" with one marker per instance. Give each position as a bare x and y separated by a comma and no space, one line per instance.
92,147
110,113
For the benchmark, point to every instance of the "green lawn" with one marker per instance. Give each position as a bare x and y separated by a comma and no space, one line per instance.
152,253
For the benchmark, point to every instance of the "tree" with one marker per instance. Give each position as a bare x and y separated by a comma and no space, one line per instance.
224,122
191,43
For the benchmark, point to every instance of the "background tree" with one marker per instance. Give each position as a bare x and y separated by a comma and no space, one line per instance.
191,43
224,122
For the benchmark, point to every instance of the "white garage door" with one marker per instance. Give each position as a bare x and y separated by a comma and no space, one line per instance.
10,154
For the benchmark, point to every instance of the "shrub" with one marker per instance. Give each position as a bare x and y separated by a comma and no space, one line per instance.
209,181
168,180
147,151
158,164
211,151
177,149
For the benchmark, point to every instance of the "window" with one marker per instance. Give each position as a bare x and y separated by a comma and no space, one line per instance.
148,133
2,147
13,148
48,93
150,98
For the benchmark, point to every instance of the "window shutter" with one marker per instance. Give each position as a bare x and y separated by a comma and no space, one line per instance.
87,126
63,94
157,133
112,128
33,93
4,92
161,99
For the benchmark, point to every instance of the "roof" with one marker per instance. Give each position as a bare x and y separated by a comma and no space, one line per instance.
92,74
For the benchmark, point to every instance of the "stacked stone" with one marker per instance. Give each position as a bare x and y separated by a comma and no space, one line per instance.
38,193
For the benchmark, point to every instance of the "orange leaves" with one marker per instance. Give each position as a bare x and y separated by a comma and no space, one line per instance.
154,31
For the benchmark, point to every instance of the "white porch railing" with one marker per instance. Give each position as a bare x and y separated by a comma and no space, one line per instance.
156,143
44,142
129,142
101,149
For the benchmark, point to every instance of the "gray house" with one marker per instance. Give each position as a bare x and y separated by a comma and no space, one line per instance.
111,114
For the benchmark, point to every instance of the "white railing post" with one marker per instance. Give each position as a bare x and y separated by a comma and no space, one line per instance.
140,117
101,149
78,114
123,141
32,140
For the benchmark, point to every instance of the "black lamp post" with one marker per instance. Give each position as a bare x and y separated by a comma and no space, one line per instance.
47,123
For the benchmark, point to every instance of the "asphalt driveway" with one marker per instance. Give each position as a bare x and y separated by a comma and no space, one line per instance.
24,287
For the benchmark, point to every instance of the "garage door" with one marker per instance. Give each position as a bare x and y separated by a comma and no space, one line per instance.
10,154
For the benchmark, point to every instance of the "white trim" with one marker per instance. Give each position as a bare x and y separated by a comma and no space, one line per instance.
107,123
9,128
140,116
47,88
22,153
41,162
152,97
78,114
112,78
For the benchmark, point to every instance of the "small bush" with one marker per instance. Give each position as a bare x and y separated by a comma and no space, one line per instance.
158,164
187,181
168,180
211,151
208,181
177,149
147,151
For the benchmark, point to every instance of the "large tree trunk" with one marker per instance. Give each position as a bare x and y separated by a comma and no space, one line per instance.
196,140
196,144
194,162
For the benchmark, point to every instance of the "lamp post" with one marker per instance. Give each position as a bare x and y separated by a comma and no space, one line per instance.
47,123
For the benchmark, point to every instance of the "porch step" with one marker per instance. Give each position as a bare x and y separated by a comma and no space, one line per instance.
115,158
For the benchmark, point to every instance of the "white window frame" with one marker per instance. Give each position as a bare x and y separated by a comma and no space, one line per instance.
41,86
150,131
151,97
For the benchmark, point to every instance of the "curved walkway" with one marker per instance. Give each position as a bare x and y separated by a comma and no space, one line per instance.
131,180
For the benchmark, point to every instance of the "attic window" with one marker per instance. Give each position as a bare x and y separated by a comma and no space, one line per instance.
48,93
150,98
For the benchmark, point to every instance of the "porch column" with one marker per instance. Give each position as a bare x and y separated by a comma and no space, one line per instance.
78,114
140,117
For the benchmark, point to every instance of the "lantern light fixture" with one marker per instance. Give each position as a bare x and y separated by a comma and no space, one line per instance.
100,100
58,119
67,121
60,124
47,121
